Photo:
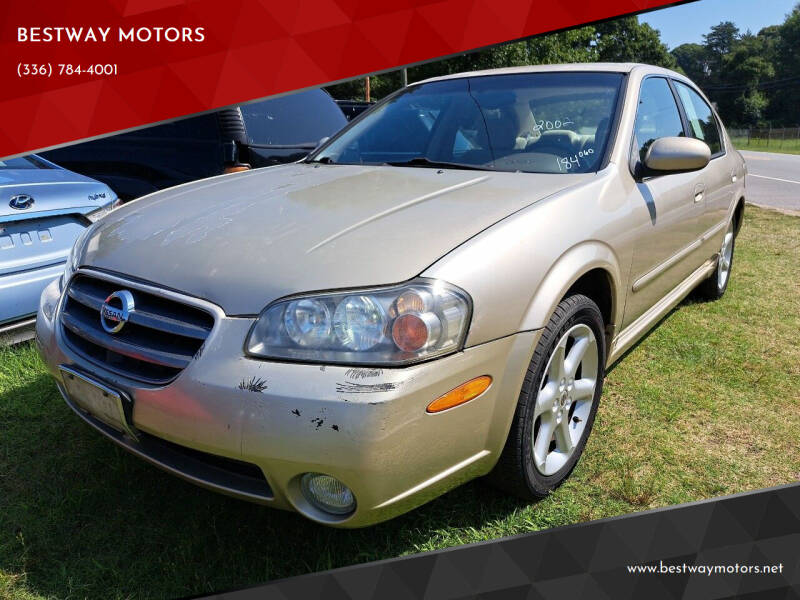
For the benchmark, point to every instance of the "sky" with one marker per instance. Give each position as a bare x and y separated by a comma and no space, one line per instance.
688,22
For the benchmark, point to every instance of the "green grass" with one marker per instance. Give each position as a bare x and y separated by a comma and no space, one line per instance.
708,404
789,146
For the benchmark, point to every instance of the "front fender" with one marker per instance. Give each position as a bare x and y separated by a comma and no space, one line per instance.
519,269
569,268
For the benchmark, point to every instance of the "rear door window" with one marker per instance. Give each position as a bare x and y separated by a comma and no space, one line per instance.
702,124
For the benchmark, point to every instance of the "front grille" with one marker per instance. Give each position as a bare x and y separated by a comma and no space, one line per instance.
159,340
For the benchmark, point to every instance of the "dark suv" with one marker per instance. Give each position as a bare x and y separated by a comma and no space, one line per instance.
257,134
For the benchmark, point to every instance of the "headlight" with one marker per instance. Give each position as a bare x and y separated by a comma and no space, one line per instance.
396,325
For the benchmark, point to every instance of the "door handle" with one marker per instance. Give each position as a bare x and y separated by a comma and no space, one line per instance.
733,177
698,192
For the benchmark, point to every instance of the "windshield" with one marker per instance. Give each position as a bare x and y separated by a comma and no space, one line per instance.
24,162
531,122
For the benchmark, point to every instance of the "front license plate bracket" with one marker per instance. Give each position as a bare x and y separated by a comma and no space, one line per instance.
112,407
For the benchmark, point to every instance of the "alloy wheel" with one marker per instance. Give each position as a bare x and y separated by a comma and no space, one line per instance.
725,257
564,400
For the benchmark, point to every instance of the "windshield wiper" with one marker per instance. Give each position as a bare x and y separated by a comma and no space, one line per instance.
422,161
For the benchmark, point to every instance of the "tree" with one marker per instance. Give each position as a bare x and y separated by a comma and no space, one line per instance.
574,45
783,107
621,40
718,42
750,107
748,66
752,79
770,36
788,43
627,40
571,46
693,60
506,55
721,38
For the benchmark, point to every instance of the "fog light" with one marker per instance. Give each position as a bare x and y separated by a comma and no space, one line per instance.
327,493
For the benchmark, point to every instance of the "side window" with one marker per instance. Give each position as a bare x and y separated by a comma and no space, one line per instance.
201,128
657,115
702,124
303,118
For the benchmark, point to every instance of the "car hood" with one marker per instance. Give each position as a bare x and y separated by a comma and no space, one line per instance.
244,240
51,189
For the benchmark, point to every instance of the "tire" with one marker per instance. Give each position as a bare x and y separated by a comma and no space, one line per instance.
530,470
714,287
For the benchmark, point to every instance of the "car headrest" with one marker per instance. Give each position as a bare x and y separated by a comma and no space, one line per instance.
561,136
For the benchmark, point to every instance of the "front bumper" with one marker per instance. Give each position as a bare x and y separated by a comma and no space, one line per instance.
366,427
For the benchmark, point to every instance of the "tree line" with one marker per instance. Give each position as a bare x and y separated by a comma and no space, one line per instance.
753,79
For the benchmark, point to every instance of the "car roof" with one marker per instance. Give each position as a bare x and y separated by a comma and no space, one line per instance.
573,67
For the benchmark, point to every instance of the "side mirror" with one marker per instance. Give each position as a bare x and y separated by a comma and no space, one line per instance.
322,141
672,154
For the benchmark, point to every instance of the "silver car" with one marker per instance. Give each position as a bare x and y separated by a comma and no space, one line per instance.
43,209
431,296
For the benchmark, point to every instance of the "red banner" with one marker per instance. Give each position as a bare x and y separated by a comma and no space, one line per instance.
75,69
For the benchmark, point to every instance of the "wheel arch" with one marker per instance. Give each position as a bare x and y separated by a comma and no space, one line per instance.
590,268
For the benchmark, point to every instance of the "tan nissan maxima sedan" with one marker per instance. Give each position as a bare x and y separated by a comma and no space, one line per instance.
431,296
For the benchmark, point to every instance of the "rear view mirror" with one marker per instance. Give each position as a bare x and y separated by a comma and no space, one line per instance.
322,141
677,154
